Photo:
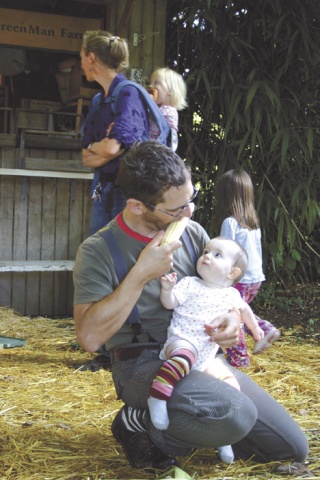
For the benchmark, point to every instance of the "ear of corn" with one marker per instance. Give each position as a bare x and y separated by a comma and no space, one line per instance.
175,230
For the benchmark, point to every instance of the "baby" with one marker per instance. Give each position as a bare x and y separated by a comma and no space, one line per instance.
194,302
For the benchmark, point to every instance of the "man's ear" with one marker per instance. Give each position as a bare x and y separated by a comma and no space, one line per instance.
135,206
235,273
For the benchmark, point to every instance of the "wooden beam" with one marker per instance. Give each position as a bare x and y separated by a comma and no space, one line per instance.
36,265
7,140
20,172
50,140
55,165
127,14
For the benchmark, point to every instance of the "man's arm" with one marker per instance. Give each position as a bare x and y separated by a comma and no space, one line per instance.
97,322
101,153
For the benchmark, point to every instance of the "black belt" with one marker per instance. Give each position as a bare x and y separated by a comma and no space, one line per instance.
128,353
105,177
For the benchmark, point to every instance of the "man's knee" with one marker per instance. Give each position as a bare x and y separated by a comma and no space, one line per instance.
206,412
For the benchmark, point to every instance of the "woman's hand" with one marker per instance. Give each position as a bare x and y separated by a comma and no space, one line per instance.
101,153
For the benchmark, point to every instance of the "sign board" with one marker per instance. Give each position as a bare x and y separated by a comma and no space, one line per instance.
44,31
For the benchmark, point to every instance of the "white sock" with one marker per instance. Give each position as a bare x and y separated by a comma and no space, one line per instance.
158,413
226,454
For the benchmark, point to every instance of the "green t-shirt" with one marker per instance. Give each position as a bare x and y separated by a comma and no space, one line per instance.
94,277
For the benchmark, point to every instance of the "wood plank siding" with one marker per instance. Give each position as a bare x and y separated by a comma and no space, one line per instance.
41,219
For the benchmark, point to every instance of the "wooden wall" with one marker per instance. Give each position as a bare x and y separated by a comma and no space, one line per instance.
148,21
41,219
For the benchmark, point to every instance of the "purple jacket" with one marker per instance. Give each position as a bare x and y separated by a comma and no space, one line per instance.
130,120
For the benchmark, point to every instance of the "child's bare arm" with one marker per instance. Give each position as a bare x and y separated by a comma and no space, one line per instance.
167,297
248,318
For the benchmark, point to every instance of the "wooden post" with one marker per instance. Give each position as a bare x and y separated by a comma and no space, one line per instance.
125,17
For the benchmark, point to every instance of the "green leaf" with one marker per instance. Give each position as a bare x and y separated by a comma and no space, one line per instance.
243,143
310,141
290,263
296,255
272,96
284,146
274,249
276,140
251,94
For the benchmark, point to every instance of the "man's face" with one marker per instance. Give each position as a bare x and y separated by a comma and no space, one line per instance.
177,203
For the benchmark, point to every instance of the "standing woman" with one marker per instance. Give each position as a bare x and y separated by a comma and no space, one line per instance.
103,56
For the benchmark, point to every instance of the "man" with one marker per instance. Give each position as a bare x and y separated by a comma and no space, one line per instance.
204,411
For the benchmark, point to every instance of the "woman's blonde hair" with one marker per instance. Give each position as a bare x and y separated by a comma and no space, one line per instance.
110,50
173,83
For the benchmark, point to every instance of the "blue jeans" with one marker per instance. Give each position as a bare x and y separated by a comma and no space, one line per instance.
106,207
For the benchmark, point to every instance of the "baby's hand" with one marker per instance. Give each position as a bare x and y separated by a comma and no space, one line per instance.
257,333
168,281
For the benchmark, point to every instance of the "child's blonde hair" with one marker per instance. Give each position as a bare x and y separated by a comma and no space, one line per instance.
173,83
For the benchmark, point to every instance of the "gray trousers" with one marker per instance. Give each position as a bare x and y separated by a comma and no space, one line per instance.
205,412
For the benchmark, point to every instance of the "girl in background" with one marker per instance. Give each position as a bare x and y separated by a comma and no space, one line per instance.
237,219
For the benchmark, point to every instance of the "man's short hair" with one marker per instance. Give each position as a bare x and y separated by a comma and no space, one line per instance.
149,169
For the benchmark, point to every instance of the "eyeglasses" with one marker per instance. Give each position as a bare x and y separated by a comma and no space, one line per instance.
181,209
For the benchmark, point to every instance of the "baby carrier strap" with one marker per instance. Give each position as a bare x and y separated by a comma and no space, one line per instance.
149,104
121,271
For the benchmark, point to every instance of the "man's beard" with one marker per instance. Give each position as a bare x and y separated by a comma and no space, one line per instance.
154,223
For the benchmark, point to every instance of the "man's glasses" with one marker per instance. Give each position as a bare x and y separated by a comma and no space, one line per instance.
180,209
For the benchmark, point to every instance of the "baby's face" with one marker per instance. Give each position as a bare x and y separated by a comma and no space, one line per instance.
217,261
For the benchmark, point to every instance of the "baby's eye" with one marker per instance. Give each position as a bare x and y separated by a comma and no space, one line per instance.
156,83
205,252
217,255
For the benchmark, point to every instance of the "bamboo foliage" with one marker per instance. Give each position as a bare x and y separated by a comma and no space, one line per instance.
252,70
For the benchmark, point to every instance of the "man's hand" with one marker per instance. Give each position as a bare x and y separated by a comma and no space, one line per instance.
155,261
225,329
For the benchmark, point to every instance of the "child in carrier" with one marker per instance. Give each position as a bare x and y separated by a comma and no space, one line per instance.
169,91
